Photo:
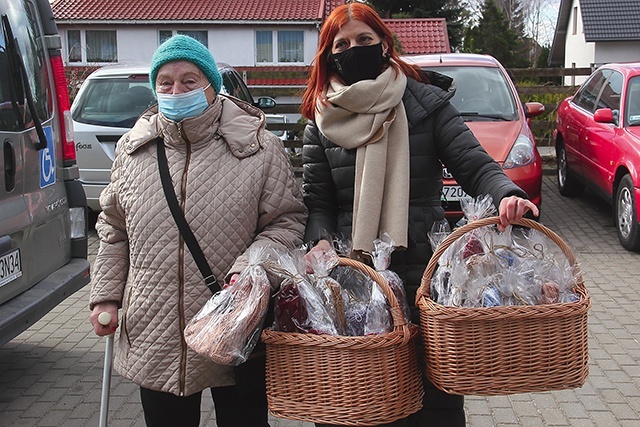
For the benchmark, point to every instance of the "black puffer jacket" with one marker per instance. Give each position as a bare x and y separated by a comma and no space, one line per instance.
437,134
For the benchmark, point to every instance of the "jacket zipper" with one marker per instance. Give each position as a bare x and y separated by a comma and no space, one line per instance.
181,253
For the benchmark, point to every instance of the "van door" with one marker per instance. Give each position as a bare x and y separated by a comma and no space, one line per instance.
34,214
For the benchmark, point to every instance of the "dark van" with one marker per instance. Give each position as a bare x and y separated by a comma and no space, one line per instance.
43,208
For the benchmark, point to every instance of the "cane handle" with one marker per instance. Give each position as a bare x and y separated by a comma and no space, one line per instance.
104,318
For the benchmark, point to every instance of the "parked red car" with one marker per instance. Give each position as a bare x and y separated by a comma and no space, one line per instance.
488,102
598,144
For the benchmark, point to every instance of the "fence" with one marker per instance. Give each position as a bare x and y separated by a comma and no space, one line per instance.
534,84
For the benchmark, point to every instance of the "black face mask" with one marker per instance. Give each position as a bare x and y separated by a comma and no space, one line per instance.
358,63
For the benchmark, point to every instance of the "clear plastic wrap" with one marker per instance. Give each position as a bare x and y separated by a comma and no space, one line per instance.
299,305
322,263
381,257
227,328
356,293
378,319
488,268
365,305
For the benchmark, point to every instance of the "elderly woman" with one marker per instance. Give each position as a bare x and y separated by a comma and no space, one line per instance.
369,112
236,188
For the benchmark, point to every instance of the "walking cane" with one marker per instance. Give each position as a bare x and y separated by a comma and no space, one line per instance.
104,319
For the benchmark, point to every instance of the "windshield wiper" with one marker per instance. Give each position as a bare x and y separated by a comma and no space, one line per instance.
486,116
17,66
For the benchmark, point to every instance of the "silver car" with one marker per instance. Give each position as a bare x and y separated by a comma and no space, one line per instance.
109,102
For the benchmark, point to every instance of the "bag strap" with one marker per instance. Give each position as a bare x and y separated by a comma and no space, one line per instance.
181,221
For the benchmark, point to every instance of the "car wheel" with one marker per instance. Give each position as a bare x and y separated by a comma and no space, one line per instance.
626,215
567,183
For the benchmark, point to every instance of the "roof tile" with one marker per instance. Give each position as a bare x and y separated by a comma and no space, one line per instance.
421,35
207,10
612,20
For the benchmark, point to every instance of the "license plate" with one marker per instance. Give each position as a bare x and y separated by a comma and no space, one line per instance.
10,267
452,193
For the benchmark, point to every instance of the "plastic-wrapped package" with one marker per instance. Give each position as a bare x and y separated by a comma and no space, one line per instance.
356,293
477,208
378,319
381,257
227,328
330,289
556,273
365,305
486,268
299,305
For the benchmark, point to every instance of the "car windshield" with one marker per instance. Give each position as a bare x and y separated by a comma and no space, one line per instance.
633,102
482,93
115,102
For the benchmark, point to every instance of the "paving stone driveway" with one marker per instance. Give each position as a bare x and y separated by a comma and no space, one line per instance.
51,374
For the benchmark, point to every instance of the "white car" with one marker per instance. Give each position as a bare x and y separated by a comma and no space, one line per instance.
275,119
109,102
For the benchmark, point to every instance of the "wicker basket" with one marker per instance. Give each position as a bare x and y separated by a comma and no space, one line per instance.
507,349
343,380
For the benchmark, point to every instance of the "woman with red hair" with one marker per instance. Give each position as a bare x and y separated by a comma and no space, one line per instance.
379,132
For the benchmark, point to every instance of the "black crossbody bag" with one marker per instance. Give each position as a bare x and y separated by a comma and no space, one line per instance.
250,375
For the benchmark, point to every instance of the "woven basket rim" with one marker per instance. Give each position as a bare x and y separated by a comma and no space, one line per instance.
393,338
424,302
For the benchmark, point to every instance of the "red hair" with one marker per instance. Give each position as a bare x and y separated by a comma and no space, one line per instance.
320,71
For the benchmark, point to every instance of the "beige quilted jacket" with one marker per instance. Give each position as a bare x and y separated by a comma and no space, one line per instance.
237,189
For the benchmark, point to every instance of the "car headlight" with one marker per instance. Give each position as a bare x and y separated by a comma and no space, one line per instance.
521,154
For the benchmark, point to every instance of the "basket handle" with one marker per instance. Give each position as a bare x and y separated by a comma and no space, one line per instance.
425,283
397,315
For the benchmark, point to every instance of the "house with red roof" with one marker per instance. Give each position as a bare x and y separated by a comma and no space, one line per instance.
246,34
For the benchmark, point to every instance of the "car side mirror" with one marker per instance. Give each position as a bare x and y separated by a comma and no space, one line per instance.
266,102
604,115
533,109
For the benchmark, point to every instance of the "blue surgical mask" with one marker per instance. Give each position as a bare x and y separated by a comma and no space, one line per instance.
183,105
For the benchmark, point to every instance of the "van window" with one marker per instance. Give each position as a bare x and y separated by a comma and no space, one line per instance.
14,112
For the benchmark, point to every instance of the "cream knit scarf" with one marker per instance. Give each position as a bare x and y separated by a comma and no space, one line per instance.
369,115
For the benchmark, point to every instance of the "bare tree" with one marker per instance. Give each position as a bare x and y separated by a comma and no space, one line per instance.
538,16
540,19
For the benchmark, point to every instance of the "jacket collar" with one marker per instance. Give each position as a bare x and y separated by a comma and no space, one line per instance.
421,99
239,124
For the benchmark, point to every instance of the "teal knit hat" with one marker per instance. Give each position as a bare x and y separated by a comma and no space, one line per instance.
185,48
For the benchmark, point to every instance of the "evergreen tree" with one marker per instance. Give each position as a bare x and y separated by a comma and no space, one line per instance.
493,36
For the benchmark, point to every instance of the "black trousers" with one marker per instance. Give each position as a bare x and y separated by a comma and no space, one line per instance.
232,408
439,409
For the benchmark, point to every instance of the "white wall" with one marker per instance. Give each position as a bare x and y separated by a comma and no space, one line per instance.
578,53
606,52
234,45
136,44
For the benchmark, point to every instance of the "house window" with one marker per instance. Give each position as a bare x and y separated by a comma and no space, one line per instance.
575,21
201,36
289,47
264,46
101,46
92,46
74,46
